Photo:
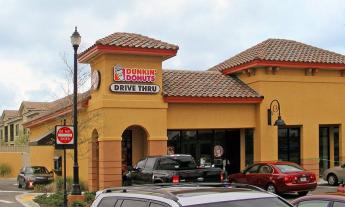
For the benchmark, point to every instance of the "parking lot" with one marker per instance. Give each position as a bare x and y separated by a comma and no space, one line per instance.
9,191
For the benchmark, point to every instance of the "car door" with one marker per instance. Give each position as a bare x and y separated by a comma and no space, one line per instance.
147,172
136,173
249,175
21,176
264,176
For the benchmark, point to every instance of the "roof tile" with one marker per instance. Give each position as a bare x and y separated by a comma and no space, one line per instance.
205,84
282,50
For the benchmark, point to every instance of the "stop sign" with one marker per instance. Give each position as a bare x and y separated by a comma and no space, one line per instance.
64,135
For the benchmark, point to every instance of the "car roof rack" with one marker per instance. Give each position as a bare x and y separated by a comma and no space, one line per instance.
143,188
196,184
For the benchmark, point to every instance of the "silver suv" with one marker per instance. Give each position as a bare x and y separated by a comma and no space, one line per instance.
188,195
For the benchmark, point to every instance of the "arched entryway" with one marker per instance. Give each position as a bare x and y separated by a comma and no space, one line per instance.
94,161
134,146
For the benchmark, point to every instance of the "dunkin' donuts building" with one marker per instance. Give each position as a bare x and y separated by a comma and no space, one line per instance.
220,115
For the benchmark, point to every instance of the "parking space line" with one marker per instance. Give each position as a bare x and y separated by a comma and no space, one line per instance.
4,201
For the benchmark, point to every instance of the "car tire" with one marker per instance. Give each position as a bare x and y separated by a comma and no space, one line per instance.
332,180
303,193
271,188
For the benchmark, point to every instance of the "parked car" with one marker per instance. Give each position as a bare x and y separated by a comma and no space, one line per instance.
334,175
277,177
29,176
181,195
171,169
320,201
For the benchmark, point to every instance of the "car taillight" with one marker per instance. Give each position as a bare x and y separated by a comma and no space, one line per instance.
175,179
312,178
221,176
290,179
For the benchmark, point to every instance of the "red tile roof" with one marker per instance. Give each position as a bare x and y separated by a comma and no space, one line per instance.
205,84
122,39
131,40
282,50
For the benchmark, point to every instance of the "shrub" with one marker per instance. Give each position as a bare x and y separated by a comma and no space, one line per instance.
5,170
59,184
55,199
79,204
40,189
89,197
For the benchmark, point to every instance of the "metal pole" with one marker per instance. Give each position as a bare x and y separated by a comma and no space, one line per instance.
76,187
64,179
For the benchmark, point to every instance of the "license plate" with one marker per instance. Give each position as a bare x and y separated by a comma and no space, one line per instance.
303,179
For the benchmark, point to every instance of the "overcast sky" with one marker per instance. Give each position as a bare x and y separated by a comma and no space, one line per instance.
35,34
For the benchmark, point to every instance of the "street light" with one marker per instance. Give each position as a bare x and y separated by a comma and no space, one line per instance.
75,40
276,108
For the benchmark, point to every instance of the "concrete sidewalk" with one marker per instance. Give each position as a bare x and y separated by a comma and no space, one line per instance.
26,199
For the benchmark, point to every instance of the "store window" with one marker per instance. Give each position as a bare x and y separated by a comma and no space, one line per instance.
249,146
6,133
289,146
336,146
17,129
324,145
11,132
218,148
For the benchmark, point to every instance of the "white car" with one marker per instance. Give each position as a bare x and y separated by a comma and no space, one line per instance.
184,195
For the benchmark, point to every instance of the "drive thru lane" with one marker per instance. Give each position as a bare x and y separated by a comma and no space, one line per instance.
8,192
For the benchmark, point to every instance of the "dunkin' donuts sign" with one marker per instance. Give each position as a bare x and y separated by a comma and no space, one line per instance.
134,74
139,78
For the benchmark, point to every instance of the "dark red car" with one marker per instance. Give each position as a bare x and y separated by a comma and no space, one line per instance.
319,201
277,177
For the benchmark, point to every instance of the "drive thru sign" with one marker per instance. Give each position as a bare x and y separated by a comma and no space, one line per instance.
64,137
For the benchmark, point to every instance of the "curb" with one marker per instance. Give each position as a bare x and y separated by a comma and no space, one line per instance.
26,199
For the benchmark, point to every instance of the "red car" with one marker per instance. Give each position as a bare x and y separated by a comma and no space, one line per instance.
277,177
319,201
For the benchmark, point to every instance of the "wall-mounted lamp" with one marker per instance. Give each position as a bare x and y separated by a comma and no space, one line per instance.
275,108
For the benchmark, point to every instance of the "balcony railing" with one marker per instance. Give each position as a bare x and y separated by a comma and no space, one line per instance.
14,148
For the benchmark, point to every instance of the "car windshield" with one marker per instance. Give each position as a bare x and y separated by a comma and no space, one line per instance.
177,163
261,202
286,168
37,170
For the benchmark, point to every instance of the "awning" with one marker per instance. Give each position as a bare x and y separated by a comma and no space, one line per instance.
46,139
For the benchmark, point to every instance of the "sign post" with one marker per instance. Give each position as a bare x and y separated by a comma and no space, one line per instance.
64,139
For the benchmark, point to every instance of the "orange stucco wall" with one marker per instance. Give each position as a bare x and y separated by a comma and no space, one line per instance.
306,102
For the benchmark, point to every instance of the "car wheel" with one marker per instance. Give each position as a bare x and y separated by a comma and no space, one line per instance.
271,188
303,193
332,179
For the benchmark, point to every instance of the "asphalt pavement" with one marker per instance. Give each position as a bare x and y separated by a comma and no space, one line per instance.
8,193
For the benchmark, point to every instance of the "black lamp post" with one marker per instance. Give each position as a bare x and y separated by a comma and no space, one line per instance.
275,109
75,40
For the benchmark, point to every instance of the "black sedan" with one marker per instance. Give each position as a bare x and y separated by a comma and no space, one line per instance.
29,176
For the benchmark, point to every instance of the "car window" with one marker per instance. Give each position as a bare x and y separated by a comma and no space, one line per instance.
284,168
314,203
107,202
177,163
133,203
261,202
265,169
150,163
338,204
141,164
158,205
253,169
36,170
